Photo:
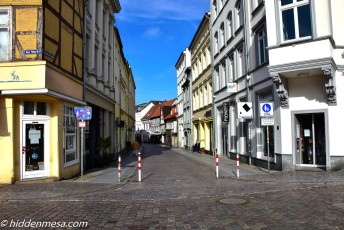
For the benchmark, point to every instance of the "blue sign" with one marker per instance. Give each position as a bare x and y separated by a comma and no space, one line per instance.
83,113
33,51
34,156
266,108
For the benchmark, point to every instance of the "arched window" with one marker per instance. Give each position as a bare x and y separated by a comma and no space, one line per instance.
229,25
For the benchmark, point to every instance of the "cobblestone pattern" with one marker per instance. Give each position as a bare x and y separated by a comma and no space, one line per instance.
178,193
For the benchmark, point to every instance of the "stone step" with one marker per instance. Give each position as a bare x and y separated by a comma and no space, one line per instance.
38,180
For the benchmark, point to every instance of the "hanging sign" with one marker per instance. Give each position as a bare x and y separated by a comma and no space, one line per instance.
245,110
225,111
232,87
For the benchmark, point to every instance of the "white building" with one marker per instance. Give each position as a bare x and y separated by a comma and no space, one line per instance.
141,110
184,105
306,52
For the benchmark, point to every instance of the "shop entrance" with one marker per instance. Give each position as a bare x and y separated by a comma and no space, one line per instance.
35,146
310,141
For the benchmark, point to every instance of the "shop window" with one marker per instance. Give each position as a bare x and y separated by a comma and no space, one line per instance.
70,135
263,131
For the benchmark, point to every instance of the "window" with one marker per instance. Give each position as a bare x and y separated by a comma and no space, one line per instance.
217,80
240,62
216,48
295,19
231,76
223,75
215,8
222,35
70,135
261,44
256,3
238,15
229,26
5,34
35,108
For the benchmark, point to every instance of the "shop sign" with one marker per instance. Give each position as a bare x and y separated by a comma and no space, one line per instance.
225,110
245,110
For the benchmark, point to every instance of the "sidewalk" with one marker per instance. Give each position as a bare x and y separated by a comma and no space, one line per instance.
227,168
110,174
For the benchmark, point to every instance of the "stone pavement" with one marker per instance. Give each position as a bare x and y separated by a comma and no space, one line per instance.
178,192
227,168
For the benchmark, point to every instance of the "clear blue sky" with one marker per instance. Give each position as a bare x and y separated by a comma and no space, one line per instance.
154,33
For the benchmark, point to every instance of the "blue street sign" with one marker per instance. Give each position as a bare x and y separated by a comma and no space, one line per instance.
83,113
266,108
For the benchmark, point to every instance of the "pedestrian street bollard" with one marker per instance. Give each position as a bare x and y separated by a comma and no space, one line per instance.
238,166
139,165
217,166
119,168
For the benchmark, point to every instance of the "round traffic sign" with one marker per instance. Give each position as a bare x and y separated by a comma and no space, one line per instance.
266,108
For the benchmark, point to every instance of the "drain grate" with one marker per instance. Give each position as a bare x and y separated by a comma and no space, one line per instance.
232,201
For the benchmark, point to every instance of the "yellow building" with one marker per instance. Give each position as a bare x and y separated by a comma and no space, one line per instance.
40,84
202,86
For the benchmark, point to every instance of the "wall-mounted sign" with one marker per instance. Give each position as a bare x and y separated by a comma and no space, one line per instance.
266,109
225,112
39,51
232,87
14,78
267,121
245,110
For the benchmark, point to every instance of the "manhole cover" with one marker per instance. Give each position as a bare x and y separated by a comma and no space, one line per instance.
232,201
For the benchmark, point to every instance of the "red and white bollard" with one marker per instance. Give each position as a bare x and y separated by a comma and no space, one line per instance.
217,166
119,168
238,166
139,165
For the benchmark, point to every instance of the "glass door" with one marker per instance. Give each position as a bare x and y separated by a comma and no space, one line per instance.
35,155
310,142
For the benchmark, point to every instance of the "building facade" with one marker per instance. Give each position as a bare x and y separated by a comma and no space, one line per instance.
306,52
184,77
202,86
100,81
40,84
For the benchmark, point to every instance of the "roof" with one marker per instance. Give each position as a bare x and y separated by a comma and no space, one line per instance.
172,114
168,103
153,112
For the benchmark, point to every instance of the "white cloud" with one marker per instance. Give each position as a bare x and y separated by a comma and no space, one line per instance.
154,10
152,32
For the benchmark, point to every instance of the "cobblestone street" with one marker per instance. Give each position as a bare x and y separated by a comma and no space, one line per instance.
177,192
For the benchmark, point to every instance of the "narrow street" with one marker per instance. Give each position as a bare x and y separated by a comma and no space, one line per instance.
177,192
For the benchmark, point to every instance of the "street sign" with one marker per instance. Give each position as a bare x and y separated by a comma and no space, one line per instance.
267,121
83,113
82,124
266,109
245,110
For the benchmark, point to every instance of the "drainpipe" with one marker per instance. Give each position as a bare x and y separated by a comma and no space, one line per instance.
214,150
84,44
246,66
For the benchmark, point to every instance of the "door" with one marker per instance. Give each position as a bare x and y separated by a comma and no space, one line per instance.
35,154
310,142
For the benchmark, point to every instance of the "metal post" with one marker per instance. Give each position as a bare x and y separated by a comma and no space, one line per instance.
237,165
119,168
267,133
139,165
82,150
217,166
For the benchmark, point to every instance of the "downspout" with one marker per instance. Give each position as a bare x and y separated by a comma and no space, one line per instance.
212,82
84,43
249,122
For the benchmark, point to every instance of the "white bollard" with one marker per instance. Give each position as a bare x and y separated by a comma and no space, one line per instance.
139,165
238,166
119,168
217,165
